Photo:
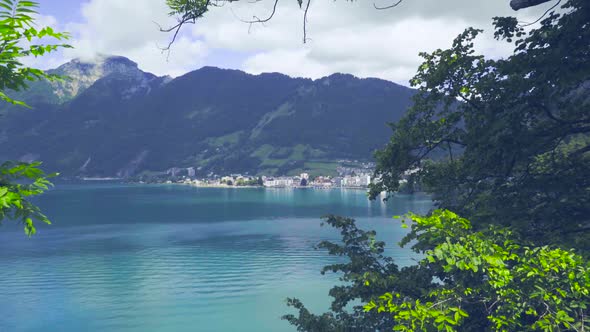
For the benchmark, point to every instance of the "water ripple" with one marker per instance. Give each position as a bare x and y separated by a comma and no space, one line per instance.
164,276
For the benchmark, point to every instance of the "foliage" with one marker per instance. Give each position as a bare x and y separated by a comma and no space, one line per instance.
467,280
489,275
366,274
18,183
250,182
194,8
189,11
20,38
515,131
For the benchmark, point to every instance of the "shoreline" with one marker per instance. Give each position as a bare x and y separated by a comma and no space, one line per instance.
219,186
255,187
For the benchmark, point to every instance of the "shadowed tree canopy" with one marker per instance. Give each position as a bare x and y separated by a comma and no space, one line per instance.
190,11
466,280
516,131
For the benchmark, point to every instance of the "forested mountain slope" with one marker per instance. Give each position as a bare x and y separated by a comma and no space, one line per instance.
112,119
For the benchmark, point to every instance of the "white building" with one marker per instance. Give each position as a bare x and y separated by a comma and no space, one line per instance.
362,180
278,182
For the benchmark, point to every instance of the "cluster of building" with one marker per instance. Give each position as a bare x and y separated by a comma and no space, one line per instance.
362,179
358,176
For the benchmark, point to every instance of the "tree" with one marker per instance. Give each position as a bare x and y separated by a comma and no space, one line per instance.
364,261
489,281
515,131
190,11
467,281
21,38
303,182
18,34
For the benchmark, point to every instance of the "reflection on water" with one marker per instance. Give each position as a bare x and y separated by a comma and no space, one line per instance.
172,258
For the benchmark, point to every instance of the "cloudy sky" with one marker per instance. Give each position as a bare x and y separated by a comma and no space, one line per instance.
348,37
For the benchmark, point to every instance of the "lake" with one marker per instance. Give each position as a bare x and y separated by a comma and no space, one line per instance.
178,258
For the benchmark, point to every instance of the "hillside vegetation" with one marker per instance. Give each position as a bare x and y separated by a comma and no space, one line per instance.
111,119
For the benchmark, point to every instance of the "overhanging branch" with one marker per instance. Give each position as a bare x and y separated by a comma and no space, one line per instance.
192,16
521,4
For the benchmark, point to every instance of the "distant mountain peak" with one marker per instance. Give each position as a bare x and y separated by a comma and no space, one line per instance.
101,65
117,59
83,73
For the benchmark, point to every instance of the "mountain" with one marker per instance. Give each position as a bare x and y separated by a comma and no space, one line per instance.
79,76
112,119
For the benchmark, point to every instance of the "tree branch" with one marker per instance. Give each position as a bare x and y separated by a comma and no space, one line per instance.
388,6
305,21
270,16
521,4
542,16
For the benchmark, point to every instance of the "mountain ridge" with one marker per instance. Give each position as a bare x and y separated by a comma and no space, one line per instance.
129,122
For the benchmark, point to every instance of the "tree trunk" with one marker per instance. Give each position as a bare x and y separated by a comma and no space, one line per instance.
520,4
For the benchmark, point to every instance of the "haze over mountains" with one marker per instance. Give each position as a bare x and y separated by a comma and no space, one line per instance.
112,119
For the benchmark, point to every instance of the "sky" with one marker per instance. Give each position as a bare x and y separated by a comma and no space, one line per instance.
344,36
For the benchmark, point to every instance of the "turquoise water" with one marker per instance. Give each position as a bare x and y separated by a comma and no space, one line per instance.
176,258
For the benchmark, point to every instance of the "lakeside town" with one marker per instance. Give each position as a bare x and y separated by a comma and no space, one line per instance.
347,177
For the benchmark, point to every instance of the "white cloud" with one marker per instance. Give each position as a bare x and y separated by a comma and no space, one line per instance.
45,21
349,37
130,28
291,62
